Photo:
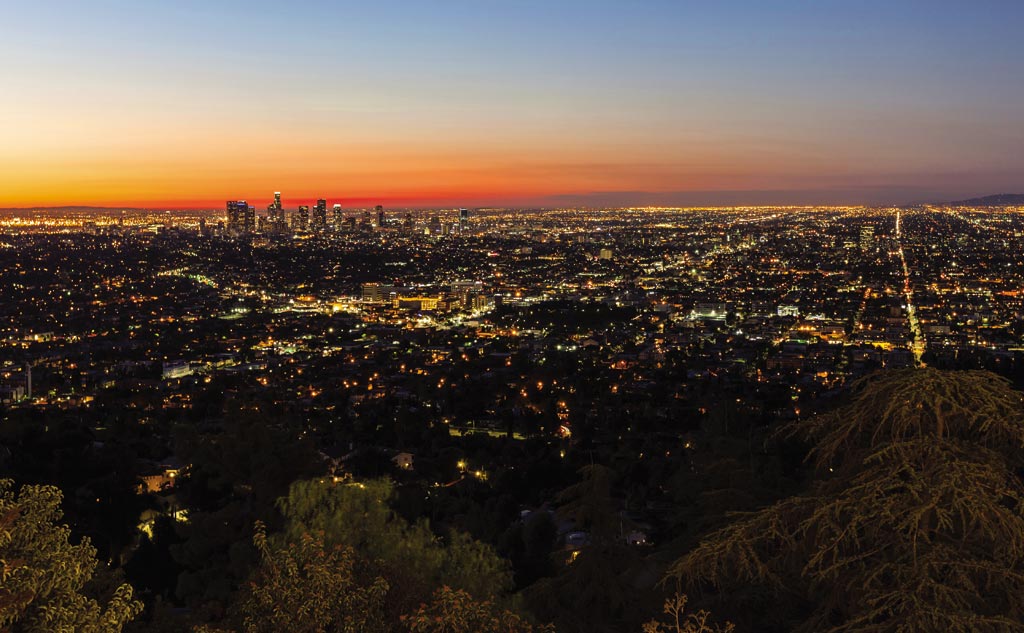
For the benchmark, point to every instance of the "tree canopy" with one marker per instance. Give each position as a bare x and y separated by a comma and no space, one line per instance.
409,555
306,587
915,523
42,575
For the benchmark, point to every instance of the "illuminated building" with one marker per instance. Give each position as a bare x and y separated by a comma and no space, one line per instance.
867,237
249,219
377,292
320,215
275,211
235,211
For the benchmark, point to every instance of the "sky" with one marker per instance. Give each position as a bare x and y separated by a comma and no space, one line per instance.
187,104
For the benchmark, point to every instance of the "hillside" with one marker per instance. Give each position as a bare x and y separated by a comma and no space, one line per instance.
998,200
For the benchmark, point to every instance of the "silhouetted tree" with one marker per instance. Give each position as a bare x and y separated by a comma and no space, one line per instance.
593,592
679,621
915,524
455,611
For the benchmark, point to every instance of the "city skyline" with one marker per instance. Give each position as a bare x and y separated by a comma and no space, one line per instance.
479,104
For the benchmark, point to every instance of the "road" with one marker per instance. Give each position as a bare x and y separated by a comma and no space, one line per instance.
920,343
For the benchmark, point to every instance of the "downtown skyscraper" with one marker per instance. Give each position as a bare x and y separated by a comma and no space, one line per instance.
320,215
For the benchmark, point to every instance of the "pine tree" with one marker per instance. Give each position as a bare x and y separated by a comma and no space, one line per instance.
593,592
916,522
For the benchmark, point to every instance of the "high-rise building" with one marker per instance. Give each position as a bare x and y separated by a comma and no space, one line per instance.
237,211
302,221
380,215
337,218
249,219
320,215
232,214
275,212
867,237
434,225
463,220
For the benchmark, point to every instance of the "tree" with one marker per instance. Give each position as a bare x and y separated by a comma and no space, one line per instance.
234,478
412,559
310,587
455,611
306,587
915,524
679,621
42,575
595,591
590,506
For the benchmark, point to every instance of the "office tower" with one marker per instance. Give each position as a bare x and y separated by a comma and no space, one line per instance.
463,220
302,223
408,221
867,237
320,215
275,211
380,215
337,218
378,292
249,219
237,210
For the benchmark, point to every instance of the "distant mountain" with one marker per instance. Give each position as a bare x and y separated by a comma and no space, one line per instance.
998,200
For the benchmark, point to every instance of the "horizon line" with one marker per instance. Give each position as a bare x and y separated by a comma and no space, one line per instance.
592,200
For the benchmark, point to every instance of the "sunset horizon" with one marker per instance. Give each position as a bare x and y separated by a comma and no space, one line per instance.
867,196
